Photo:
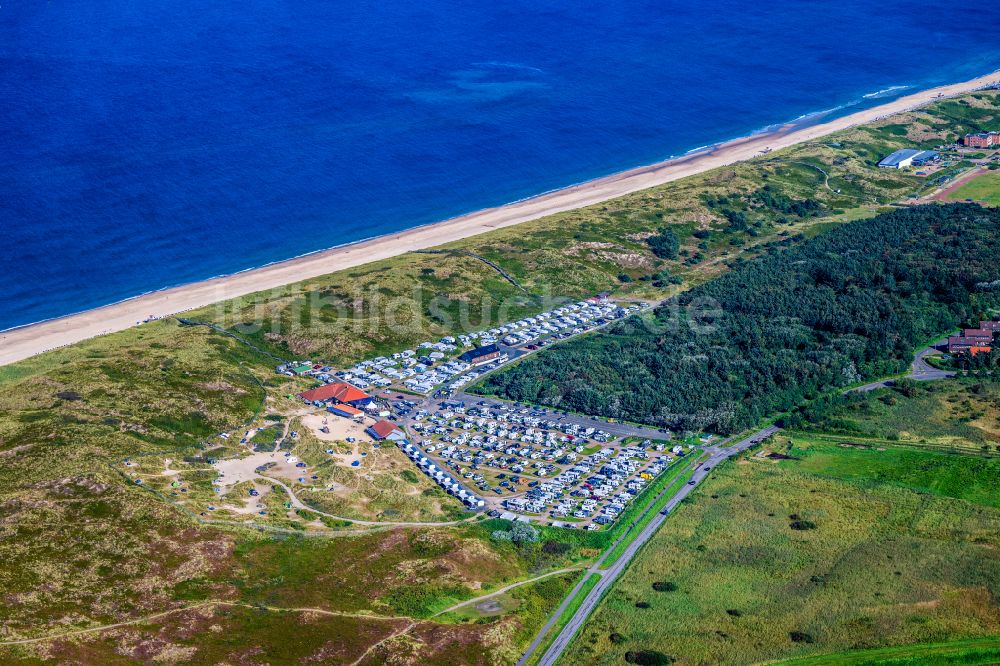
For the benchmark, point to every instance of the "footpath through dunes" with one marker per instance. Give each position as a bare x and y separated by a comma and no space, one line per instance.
24,342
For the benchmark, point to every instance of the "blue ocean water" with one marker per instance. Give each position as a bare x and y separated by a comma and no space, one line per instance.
148,144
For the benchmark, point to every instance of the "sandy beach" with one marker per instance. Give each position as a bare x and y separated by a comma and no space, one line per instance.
24,342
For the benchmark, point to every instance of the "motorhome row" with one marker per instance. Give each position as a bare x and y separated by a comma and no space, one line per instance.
445,480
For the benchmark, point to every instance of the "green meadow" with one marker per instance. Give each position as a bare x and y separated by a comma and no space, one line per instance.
819,549
985,189
958,415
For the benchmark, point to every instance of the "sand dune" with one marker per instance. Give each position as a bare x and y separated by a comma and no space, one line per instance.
21,343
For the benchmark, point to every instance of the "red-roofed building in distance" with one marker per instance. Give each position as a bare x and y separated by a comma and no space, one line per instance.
974,340
338,392
978,335
982,140
385,430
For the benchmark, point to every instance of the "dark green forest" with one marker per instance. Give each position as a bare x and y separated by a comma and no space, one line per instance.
846,306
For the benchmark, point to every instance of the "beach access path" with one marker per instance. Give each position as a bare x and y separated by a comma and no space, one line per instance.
24,342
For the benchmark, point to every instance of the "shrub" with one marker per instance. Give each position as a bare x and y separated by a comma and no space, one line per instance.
642,604
801,637
664,244
648,658
523,533
802,525
334,522
734,612
305,514
616,638
555,548
665,586
520,533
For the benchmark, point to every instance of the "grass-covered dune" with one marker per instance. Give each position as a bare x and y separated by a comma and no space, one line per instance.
962,415
845,306
82,546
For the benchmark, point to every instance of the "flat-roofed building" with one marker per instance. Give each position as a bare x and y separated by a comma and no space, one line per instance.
907,157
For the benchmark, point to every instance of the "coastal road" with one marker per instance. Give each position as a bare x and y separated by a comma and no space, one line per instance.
920,371
610,574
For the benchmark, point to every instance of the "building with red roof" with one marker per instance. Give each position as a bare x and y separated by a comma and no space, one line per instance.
385,430
978,334
340,392
345,410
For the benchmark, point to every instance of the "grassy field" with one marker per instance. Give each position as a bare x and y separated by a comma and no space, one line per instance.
776,559
958,415
975,652
985,189
965,477
83,545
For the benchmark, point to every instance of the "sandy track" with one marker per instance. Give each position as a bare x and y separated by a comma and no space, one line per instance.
180,609
21,343
506,588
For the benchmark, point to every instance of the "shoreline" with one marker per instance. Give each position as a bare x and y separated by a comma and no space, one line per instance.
22,342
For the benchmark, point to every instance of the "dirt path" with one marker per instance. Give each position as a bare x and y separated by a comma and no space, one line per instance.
405,630
298,504
506,588
202,604
826,176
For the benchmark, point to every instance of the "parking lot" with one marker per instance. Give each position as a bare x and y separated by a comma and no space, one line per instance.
529,464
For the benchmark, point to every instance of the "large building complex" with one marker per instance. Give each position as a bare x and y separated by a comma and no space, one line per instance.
982,140
974,340
907,157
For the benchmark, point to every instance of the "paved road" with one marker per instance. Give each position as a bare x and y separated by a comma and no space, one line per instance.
610,574
920,371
